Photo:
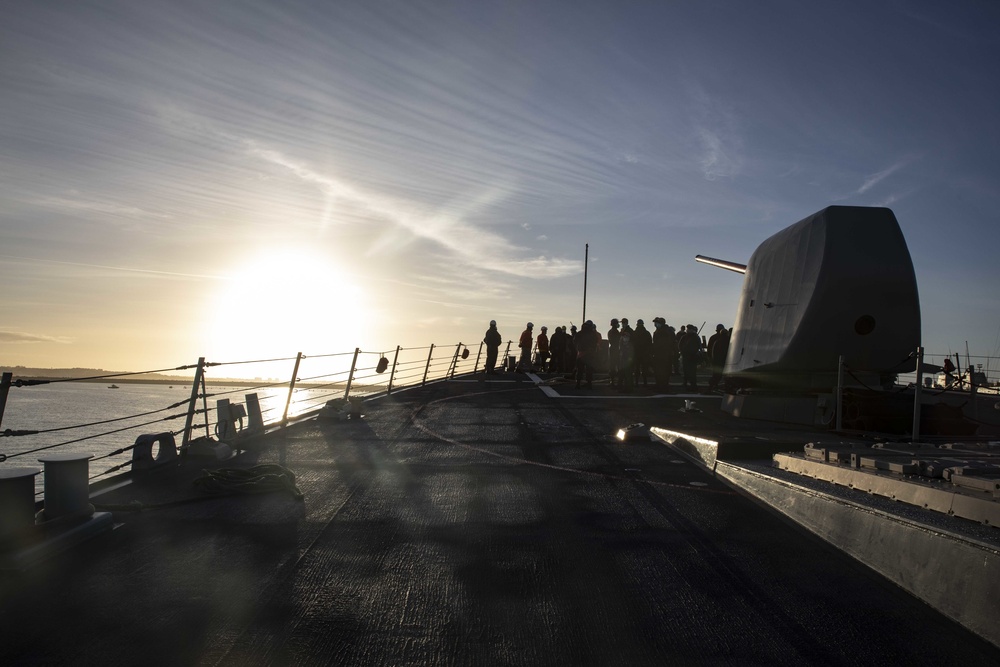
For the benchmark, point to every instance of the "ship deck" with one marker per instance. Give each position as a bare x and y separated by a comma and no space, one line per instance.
473,522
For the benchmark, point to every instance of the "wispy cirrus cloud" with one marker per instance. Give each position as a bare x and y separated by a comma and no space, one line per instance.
716,131
720,155
447,227
23,337
878,177
118,269
75,202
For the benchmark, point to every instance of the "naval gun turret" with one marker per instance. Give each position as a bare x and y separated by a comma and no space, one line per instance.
838,283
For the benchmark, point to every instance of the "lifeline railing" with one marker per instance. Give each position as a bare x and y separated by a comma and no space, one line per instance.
315,380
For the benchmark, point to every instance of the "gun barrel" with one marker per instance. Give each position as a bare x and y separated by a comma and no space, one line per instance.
722,264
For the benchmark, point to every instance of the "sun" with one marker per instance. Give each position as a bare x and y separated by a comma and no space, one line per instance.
282,301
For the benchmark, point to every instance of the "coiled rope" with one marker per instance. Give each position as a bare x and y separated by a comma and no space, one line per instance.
263,478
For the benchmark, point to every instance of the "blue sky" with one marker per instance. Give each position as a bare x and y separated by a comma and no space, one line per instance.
243,179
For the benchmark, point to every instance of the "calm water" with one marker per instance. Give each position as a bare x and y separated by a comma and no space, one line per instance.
65,404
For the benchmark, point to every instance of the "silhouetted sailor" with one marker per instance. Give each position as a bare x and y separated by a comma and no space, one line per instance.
690,345
525,343
587,342
664,353
569,367
492,340
625,357
542,349
642,346
557,348
613,337
718,348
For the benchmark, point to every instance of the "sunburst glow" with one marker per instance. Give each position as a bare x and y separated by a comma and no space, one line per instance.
283,301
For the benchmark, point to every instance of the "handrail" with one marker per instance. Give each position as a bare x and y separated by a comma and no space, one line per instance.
304,397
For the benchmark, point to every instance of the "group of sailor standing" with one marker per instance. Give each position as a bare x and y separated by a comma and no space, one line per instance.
628,355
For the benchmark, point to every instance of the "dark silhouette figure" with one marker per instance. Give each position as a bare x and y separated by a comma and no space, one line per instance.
587,342
492,340
613,337
626,356
557,348
570,354
718,348
664,353
642,349
525,343
690,345
542,349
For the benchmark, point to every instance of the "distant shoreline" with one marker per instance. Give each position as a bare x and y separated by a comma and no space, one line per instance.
185,383
110,379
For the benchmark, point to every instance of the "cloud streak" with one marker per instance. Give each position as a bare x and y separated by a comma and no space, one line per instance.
464,242
22,337
880,176
121,269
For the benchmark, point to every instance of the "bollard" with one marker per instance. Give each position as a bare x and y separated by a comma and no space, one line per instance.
254,415
67,489
142,451
17,502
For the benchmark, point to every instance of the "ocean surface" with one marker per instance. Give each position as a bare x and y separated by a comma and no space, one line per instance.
137,409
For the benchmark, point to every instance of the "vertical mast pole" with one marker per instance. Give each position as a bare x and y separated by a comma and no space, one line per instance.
586,255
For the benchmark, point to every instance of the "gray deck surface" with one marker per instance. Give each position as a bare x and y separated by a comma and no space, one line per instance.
468,524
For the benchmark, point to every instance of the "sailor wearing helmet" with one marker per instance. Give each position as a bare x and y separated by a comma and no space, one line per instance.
525,343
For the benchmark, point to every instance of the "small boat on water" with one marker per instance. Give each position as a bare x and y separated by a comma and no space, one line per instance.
113,386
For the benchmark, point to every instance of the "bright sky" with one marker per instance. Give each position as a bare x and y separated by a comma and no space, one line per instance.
240,180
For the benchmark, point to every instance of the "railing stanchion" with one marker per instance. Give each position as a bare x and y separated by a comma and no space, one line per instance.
291,389
478,357
199,374
427,368
392,373
204,406
916,395
350,376
454,361
505,353
4,389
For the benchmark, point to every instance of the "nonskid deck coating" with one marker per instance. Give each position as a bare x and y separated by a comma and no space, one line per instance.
460,525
